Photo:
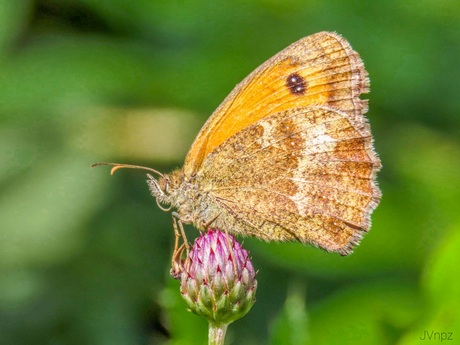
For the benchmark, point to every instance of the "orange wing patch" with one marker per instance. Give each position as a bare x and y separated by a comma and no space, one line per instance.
321,69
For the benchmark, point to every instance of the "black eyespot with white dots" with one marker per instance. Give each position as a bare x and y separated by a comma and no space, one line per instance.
296,84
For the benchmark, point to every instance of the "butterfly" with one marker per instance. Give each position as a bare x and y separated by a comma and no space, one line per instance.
287,156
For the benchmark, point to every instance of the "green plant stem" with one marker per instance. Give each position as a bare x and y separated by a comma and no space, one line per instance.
217,334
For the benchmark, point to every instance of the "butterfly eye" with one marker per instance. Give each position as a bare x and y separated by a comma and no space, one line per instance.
296,84
163,185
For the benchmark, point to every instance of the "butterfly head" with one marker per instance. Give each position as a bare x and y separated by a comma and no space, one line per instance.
165,189
158,187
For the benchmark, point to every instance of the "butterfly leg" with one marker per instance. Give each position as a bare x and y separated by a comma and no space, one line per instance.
177,262
179,232
208,224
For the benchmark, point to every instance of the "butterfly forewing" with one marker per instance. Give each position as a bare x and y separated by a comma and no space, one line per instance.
320,69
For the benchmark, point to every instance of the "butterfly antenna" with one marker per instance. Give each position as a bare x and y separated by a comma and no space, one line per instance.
117,166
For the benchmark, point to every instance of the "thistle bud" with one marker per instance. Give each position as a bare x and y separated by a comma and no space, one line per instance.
217,278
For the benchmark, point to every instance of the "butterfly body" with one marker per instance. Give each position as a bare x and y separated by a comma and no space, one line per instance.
287,156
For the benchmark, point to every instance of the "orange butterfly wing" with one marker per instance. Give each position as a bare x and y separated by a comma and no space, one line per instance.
321,69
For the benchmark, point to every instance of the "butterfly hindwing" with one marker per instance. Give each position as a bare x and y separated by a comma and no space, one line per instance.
302,174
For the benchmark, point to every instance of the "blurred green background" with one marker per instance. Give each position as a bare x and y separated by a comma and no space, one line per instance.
84,257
